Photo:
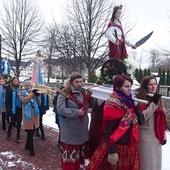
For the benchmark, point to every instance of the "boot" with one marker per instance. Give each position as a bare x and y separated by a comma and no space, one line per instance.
8,135
4,121
43,137
7,118
42,133
18,139
32,153
4,127
26,147
37,133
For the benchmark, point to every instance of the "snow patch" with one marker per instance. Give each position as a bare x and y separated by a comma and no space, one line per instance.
14,160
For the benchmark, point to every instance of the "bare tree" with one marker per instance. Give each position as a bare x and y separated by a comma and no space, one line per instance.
82,43
89,19
49,47
20,27
59,45
158,58
66,45
154,59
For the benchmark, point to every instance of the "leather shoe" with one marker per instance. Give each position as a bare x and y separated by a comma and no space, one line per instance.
18,140
8,137
32,153
37,133
43,137
4,128
26,147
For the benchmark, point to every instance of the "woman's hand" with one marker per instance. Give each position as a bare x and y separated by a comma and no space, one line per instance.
81,112
113,158
156,98
133,46
117,42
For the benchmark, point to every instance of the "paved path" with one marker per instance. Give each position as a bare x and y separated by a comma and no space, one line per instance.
13,156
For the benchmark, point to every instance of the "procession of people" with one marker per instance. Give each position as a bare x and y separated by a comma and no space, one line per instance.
122,134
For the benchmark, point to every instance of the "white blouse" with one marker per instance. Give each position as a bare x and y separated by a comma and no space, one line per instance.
110,34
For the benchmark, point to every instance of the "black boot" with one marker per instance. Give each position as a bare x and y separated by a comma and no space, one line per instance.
7,118
4,121
9,135
43,137
26,147
32,153
4,128
37,133
18,139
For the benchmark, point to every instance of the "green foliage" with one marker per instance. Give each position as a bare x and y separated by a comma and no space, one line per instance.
94,78
144,73
159,72
162,79
149,72
137,74
167,78
140,75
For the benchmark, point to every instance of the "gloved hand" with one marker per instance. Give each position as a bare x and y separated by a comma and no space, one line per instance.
140,115
164,142
156,98
35,92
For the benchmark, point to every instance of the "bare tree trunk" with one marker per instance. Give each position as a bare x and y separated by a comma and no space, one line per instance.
20,26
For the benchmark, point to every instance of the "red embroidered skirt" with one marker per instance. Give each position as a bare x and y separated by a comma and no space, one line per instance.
128,158
72,156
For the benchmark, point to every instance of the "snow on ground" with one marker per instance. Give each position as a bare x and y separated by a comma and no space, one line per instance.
11,163
49,120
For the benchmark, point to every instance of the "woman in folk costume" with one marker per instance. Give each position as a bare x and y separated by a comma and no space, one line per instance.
116,36
30,100
118,150
152,132
13,107
95,128
72,105
37,74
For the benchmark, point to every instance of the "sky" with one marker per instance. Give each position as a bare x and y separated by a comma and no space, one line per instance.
151,16
146,15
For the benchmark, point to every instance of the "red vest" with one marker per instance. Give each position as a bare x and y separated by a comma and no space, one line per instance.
117,51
